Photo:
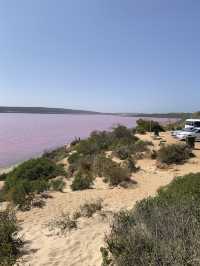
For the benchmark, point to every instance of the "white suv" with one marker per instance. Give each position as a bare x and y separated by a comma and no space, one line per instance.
184,134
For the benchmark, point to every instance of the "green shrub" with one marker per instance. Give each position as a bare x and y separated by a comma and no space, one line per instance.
163,230
99,142
10,243
174,153
34,169
141,130
137,147
114,174
122,152
81,181
148,126
111,171
56,155
122,132
74,158
3,177
57,184
29,178
39,185
186,187
142,146
86,163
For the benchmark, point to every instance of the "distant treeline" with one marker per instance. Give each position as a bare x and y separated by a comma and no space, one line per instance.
159,115
42,110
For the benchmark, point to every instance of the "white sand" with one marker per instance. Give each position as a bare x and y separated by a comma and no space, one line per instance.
81,247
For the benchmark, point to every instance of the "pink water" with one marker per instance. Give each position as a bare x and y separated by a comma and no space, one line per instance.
23,136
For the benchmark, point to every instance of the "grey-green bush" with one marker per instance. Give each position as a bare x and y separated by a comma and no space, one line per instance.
10,243
163,230
81,181
174,154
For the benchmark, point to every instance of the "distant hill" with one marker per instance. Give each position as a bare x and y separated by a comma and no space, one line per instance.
42,110
46,110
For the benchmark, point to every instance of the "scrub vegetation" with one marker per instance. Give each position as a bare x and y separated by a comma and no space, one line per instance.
30,178
161,230
89,158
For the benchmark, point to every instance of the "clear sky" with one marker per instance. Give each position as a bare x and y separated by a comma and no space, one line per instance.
103,55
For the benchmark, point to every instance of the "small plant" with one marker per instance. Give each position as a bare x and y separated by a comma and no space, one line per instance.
62,224
116,174
89,208
174,154
81,181
10,243
57,184
142,146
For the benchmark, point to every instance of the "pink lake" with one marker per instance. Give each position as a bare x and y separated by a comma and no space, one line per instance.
23,136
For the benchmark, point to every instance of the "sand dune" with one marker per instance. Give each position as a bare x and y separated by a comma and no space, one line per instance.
81,247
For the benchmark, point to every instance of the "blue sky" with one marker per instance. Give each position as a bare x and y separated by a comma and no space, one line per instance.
103,55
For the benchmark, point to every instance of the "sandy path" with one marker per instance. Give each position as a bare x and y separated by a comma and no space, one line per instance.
81,247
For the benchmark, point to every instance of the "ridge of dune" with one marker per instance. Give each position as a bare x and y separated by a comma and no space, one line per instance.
81,247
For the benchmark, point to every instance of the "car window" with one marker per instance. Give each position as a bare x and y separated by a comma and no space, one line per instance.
197,124
189,123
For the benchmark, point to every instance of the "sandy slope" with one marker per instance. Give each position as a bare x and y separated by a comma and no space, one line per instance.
81,247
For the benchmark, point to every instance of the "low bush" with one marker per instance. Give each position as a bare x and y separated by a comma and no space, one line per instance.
81,181
89,208
123,152
111,171
29,178
3,177
142,146
34,169
163,230
141,130
63,224
148,126
56,155
74,158
57,184
100,141
100,163
116,174
10,243
174,154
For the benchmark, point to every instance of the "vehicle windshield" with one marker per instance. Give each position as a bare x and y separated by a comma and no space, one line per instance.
188,129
